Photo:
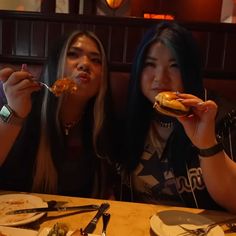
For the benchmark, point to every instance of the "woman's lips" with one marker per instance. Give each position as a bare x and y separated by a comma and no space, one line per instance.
83,78
158,90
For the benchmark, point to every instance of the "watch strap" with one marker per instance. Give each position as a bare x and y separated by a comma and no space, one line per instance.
211,151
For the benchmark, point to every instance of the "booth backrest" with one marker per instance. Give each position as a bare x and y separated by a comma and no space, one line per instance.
26,37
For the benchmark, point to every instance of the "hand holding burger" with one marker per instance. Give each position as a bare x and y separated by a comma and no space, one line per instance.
168,104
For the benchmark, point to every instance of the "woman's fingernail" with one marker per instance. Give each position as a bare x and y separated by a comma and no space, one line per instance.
200,103
179,99
24,67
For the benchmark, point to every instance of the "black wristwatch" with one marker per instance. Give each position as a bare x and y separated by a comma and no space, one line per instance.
7,115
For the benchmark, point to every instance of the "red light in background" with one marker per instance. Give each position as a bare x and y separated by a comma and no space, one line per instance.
158,16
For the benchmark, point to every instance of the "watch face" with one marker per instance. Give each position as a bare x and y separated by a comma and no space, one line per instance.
5,113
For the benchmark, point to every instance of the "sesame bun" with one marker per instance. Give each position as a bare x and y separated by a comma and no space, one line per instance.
166,103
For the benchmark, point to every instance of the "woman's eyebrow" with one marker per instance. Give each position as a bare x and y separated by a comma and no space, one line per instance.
80,50
95,54
151,58
172,60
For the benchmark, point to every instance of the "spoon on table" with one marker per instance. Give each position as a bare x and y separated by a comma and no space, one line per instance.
105,220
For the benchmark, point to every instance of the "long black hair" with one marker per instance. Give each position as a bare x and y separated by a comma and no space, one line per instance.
139,109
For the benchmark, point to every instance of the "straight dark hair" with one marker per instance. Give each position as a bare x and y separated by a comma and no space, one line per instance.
139,109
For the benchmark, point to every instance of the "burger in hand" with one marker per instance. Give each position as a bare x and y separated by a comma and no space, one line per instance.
168,104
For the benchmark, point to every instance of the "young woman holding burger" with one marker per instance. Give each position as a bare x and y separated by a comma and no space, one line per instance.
185,159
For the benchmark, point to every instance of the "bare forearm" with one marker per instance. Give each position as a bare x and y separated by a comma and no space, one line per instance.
219,173
8,135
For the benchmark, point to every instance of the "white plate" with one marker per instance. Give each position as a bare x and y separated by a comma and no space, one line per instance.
10,231
11,202
166,223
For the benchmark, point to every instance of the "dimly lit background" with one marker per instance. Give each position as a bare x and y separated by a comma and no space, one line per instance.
183,10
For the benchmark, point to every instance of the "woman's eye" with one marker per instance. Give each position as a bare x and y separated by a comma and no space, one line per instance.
96,60
72,54
149,64
174,65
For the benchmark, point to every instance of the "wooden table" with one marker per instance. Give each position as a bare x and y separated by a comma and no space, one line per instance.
127,219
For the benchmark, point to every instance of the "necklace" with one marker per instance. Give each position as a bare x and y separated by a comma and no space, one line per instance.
167,125
164,121
69,125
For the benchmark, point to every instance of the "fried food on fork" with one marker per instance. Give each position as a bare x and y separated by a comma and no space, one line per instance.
64,85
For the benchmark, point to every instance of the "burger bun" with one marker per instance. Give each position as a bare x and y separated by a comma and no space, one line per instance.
167,104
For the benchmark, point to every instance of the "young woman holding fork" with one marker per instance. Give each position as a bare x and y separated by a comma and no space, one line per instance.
59,144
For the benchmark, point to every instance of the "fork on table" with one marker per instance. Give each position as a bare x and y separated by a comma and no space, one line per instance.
202,231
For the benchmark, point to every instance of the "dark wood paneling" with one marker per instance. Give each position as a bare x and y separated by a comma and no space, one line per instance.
38,39
133,36
23,38
215,50
74,6
203,44
0,37
230,52
26,37
69,27
104,34
48,6
117,44
54,30
8,37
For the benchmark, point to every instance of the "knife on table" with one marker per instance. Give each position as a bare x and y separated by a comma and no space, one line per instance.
92,224
48,209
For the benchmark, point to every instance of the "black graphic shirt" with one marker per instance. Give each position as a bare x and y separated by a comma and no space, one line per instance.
153,179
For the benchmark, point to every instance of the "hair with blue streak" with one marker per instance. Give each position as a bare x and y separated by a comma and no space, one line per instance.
139,111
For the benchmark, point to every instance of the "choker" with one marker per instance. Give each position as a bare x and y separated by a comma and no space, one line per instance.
167,125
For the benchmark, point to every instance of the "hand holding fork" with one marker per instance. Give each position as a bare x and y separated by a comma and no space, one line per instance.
25,68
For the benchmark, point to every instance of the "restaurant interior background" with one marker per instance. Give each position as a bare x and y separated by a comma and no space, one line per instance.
183,10
29,27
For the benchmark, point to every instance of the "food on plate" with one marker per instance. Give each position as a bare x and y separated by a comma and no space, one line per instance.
167,104
59,229
10,205
64,85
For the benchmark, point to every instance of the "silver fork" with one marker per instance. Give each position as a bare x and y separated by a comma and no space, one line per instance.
203,231
199,231
46,86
